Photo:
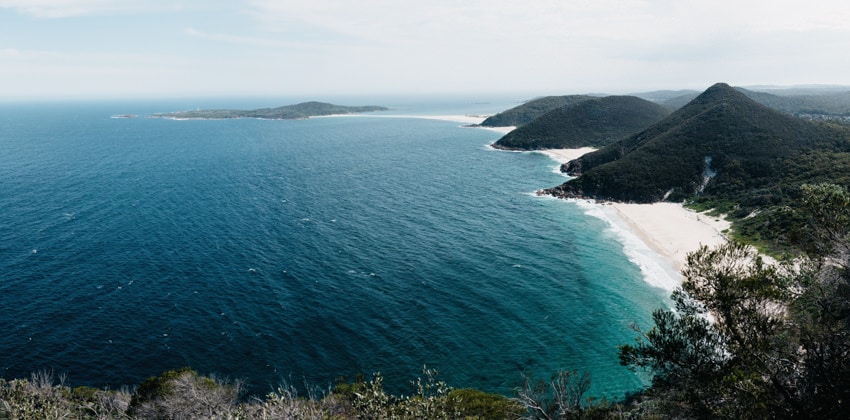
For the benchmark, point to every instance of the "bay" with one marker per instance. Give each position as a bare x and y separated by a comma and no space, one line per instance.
300,250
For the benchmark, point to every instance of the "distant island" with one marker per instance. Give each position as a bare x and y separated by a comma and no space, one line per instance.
288,112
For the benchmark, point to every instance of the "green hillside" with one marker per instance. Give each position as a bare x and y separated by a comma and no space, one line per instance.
288,112
722,150
805,103
595,122
528,111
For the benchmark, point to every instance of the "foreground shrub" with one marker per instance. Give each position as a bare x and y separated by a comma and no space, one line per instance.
41,397
182,393
475,404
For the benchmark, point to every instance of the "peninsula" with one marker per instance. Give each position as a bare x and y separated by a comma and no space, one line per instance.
722,151
288,112
590,122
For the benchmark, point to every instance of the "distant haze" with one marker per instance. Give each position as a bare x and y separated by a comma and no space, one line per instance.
156,48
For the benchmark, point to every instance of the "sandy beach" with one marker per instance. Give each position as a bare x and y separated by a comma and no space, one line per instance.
566,155
668,229
469,120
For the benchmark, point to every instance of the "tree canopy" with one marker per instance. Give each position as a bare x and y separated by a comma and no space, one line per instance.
749,339
595,122
722,151
528,111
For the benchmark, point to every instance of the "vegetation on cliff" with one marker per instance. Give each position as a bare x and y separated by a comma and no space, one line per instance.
595,122
288,112
184,394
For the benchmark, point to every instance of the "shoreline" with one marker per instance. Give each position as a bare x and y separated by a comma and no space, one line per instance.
471,121
657,237
668,230
563,156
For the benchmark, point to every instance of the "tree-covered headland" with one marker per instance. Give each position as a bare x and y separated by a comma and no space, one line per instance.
593,122
722,151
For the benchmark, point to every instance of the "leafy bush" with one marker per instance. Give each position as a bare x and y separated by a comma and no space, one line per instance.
755,340
41,397
183,393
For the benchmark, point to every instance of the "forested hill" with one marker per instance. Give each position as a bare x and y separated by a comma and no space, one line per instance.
288,112
829,103
528,111
595,122
723,150
748,145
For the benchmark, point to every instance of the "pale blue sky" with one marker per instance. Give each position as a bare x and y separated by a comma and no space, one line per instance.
155,48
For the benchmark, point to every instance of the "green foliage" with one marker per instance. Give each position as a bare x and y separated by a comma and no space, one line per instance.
594,122
288,112
528,111
182,393
826,212
750,339
41,397
285,403
562,397
156,387
475,404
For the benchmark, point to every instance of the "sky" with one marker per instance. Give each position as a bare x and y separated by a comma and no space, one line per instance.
173,48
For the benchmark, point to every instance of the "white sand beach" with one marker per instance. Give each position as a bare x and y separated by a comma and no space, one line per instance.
469,120
668,229
566,155
466,119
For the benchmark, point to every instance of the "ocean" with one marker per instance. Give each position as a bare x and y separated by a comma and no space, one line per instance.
301,251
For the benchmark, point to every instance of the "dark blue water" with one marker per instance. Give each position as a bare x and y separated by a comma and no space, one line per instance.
291,250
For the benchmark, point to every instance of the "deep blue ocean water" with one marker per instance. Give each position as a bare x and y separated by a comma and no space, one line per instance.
288,250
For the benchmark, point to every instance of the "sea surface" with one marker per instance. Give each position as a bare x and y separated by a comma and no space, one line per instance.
301,251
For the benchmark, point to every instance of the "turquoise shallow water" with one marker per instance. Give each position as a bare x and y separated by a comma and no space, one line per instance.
290,250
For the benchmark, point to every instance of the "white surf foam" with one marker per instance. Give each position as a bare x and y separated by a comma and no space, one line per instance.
657,271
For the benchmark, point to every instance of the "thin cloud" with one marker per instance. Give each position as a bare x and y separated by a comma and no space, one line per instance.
58,9
15,54
436,46
10,53
542,20
245,40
